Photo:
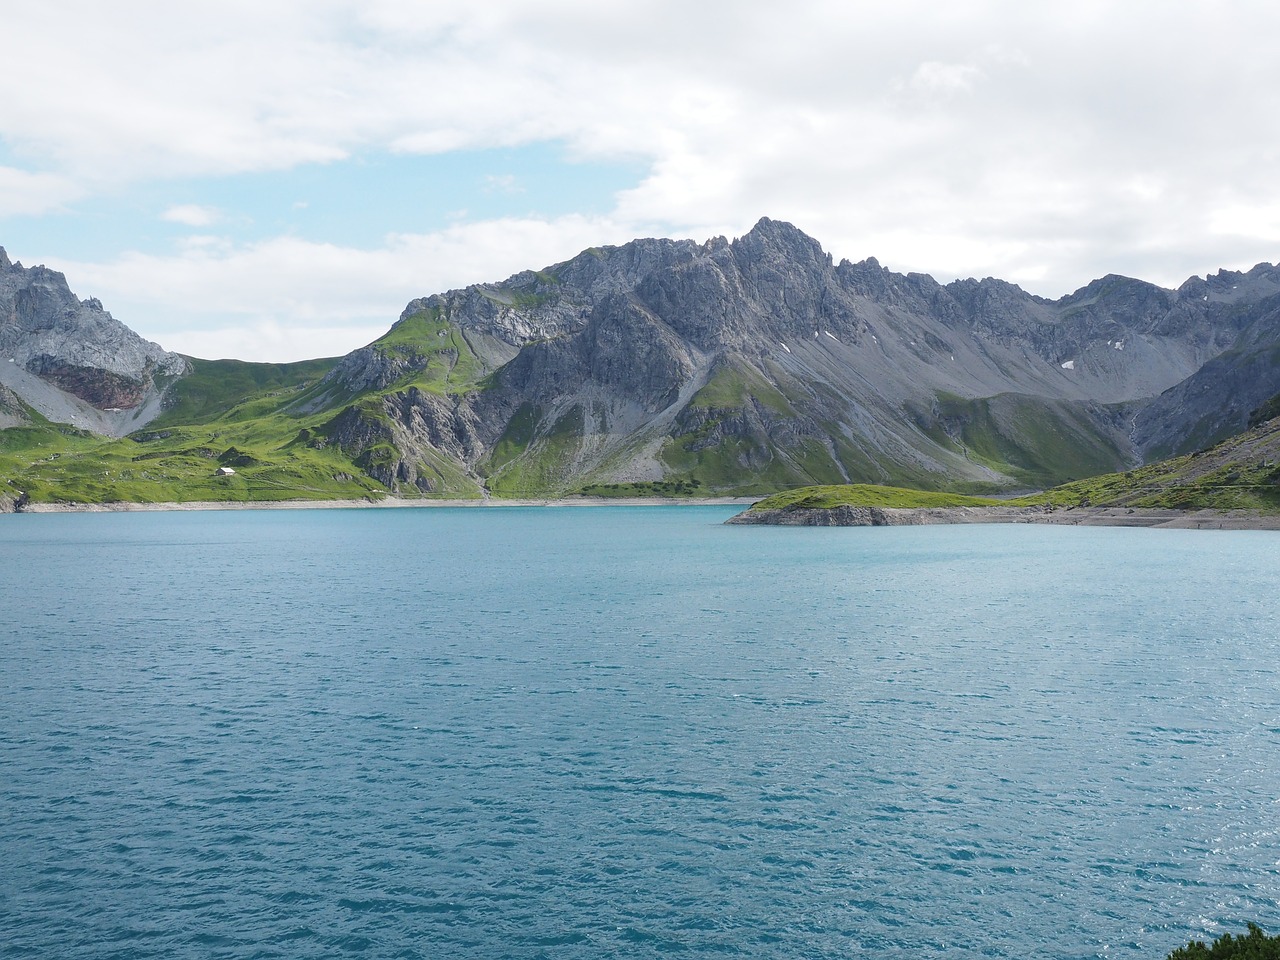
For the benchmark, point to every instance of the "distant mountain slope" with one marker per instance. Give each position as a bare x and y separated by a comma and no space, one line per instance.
1217,400
71,360
1239,473
760,364
658,366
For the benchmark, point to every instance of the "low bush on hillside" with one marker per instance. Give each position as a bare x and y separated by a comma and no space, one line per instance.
1254,945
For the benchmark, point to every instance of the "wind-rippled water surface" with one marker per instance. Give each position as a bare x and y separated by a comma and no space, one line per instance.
631,732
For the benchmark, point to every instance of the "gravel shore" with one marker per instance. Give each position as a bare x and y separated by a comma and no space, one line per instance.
385,503
1069,516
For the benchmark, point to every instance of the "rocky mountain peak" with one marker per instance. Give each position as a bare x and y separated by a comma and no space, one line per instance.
772,239
5,262
73,347
1110,284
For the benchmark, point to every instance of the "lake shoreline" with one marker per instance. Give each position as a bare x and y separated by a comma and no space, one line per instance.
386,503
844,516
850,516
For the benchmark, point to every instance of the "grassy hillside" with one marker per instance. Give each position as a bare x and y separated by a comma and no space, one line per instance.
867,495
1242,473
57,464
224,414
215,387
274,425
1040,442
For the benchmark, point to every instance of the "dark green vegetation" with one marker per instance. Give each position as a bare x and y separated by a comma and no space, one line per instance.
1268,411
1254,945
644,488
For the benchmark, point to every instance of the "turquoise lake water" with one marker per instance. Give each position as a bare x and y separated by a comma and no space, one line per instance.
631,732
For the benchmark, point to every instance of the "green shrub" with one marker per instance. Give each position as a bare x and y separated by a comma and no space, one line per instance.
1255,945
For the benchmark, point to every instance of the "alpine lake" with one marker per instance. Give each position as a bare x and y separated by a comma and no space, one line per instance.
631,732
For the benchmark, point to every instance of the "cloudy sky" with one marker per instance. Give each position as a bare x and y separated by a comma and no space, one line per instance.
275,180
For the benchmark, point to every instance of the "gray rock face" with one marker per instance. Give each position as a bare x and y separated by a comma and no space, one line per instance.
76,347
658,355
11,412
1217,400
733,363
850,516
371,369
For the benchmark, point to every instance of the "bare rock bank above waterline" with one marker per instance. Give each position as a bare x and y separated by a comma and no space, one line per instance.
851,516
9,505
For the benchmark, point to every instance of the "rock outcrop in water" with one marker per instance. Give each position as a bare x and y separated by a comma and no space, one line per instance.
849,516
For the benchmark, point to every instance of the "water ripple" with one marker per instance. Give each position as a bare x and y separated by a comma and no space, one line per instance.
630,732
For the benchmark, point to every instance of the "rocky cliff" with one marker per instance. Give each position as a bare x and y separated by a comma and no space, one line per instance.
1218,400
70,359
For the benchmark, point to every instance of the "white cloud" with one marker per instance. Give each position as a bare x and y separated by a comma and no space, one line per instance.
192,215
1248,220
1046,144
506,183
23,193
946,79
268,340
216,297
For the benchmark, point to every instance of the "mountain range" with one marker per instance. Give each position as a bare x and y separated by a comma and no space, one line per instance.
657,366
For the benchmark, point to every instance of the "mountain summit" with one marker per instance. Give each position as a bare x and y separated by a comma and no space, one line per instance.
71,360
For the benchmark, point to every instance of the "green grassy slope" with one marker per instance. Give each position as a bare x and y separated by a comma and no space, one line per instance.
867,495
1039,442
215,387
1242,473
225,413
270,423
752,430
55,464
436,354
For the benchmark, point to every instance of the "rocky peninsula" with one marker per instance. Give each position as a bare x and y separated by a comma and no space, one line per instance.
866,516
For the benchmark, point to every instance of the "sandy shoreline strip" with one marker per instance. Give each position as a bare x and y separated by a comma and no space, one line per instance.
385,503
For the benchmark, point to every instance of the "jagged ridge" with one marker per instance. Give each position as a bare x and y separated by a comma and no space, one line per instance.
759,364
